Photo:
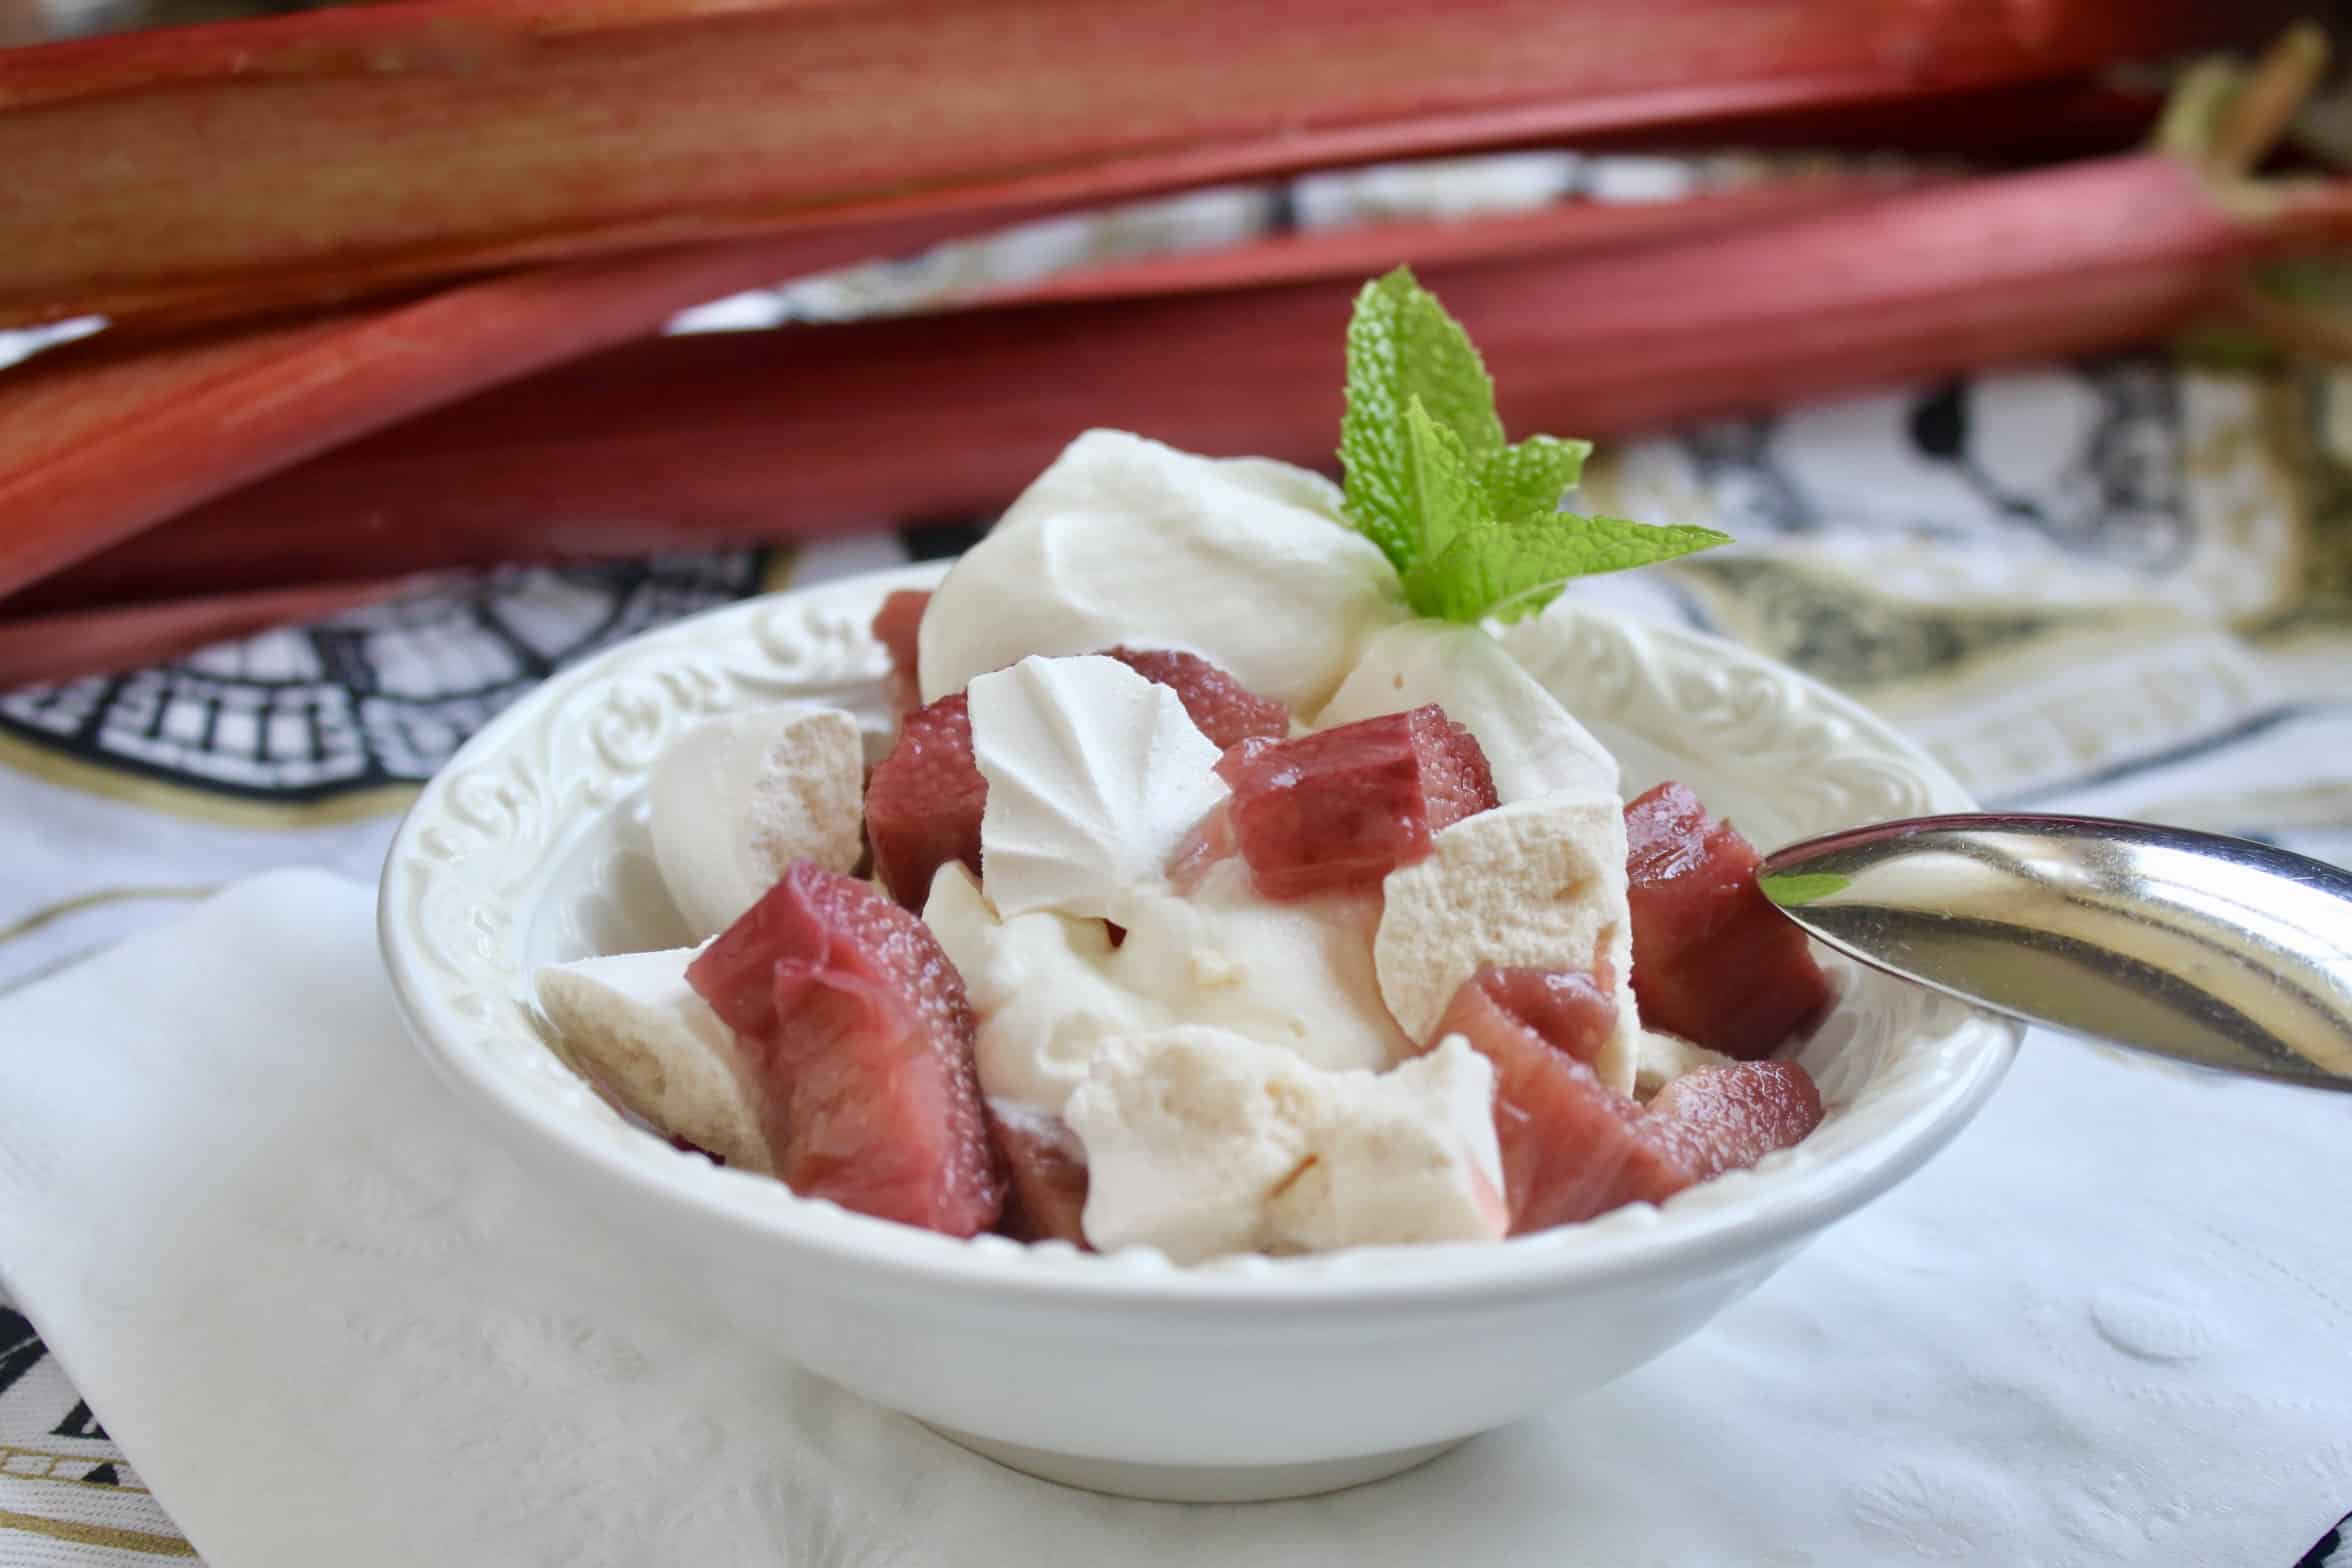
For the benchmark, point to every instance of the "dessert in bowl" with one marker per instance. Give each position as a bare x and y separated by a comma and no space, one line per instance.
1182,1002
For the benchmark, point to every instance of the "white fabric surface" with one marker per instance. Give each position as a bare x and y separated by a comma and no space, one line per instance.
332,1323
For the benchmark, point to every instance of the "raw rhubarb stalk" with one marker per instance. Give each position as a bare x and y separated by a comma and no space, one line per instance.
99,440
736,437
103,438
128,637
447,137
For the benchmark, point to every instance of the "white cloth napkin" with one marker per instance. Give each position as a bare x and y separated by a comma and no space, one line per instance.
331,1322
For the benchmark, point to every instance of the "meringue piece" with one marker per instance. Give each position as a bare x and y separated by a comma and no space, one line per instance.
1042,987
738,798
1659,1058
1533,745
1201,1142
1189,1135
1410,1155
1296,973
1094,776
1539,884
643,1034
1244,562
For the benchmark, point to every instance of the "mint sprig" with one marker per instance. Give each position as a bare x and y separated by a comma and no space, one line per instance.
1401,348
1443,493
1471,522
1529,479
1509,569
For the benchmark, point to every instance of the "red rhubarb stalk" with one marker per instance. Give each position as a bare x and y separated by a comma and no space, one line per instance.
447,137
74,643
710,439
99,440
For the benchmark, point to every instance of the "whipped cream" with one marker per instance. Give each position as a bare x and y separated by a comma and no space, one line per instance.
1201,1142
736,799
1094,775
1049,988
1296,974
1042,987
1242,561
1534,745
1538,884
644,1035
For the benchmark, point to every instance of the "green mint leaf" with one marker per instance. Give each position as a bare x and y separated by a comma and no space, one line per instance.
1443,482
1514,567
1401,345
1794,888
1528,479
1471,523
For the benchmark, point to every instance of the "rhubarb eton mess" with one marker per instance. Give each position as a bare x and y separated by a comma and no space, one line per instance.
1209,898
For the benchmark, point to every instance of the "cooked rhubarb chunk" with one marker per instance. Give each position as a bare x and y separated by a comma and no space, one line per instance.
1713,962
896,626
1568,1140
857,1033
1719,1119
1047,1166
1572,1146
1221,707
925,800
1557,1004
1346,806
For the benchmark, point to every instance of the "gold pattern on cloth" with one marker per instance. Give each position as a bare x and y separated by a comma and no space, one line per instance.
63,1482
37,1465
118,1539
197,804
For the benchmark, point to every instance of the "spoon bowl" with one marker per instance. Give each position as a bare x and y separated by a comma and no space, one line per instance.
2216,951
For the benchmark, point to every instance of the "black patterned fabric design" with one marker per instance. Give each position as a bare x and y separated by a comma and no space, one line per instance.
374,697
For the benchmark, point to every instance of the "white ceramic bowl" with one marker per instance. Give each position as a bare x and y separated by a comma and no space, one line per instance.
1243,1378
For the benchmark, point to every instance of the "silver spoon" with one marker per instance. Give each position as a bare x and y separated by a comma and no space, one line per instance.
2217,951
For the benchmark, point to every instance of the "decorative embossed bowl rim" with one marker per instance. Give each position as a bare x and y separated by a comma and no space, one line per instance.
528,847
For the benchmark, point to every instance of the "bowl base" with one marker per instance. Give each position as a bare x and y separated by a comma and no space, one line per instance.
1197,1483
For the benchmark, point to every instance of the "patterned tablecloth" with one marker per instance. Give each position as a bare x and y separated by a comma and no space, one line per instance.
2122,587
